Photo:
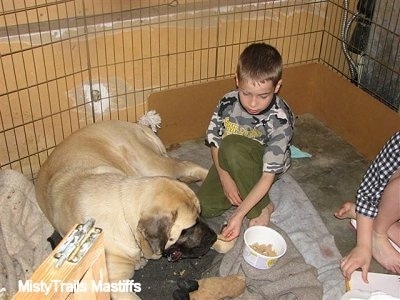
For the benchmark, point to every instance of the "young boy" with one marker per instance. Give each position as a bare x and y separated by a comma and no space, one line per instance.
249,135
377,210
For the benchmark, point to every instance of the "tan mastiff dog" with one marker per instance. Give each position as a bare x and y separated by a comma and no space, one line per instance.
120,174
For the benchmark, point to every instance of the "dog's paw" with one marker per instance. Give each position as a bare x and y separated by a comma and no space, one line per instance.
141,263
221,245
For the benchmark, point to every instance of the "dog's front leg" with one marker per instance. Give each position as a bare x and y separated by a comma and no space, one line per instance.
190,172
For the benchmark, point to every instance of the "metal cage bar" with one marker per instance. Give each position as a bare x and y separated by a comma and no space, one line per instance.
67,63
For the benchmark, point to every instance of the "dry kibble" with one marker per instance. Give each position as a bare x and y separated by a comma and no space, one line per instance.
263,249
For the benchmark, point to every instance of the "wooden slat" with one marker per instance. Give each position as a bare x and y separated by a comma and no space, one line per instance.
70,280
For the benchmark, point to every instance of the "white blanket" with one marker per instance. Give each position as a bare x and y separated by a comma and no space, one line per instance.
23,231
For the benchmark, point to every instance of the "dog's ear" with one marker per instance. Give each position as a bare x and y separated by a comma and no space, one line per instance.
153,234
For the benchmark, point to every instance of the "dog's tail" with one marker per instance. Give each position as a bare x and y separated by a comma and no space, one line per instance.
151,119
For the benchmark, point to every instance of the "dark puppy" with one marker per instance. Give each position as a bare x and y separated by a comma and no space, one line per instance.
193,242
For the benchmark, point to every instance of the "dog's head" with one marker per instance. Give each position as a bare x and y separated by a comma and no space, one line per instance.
170,217
193,242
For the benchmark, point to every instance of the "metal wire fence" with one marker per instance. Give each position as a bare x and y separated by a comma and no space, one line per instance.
65,64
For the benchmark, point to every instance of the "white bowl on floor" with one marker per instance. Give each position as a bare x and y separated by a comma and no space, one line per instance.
263,236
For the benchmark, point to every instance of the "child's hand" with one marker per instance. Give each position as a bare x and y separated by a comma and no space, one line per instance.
230,190
232,230
359,257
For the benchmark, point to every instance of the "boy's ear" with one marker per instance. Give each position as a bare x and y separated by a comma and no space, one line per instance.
236,80
278,86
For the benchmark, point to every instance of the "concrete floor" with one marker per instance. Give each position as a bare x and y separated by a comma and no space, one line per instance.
329,177
332,175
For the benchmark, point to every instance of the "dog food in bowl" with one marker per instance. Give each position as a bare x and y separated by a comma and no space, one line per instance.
263,249
263,246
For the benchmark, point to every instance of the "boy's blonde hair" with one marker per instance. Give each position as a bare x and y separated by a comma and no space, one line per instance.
260,62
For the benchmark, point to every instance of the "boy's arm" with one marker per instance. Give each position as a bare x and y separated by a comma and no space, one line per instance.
259,190
232,230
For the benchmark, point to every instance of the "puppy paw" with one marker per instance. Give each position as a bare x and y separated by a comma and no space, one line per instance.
222,245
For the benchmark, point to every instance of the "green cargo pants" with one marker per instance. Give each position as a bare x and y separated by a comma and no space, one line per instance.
242,158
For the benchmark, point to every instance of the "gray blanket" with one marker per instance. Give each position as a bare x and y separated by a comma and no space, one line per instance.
289,278
309,269
296,215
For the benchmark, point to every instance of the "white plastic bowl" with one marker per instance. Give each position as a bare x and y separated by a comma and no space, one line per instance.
267,236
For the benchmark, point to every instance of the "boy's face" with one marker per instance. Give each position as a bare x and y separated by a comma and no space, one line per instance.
256,96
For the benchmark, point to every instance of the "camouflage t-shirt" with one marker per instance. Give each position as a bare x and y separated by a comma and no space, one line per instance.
272,128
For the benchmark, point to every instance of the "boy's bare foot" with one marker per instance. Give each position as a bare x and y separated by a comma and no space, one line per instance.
264,217
384,252
346,211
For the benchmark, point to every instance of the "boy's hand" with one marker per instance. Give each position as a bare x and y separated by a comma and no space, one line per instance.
232,229
230,190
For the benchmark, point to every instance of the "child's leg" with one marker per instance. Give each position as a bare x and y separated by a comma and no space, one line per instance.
242,158
387,220
211,196
265,216
388,215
